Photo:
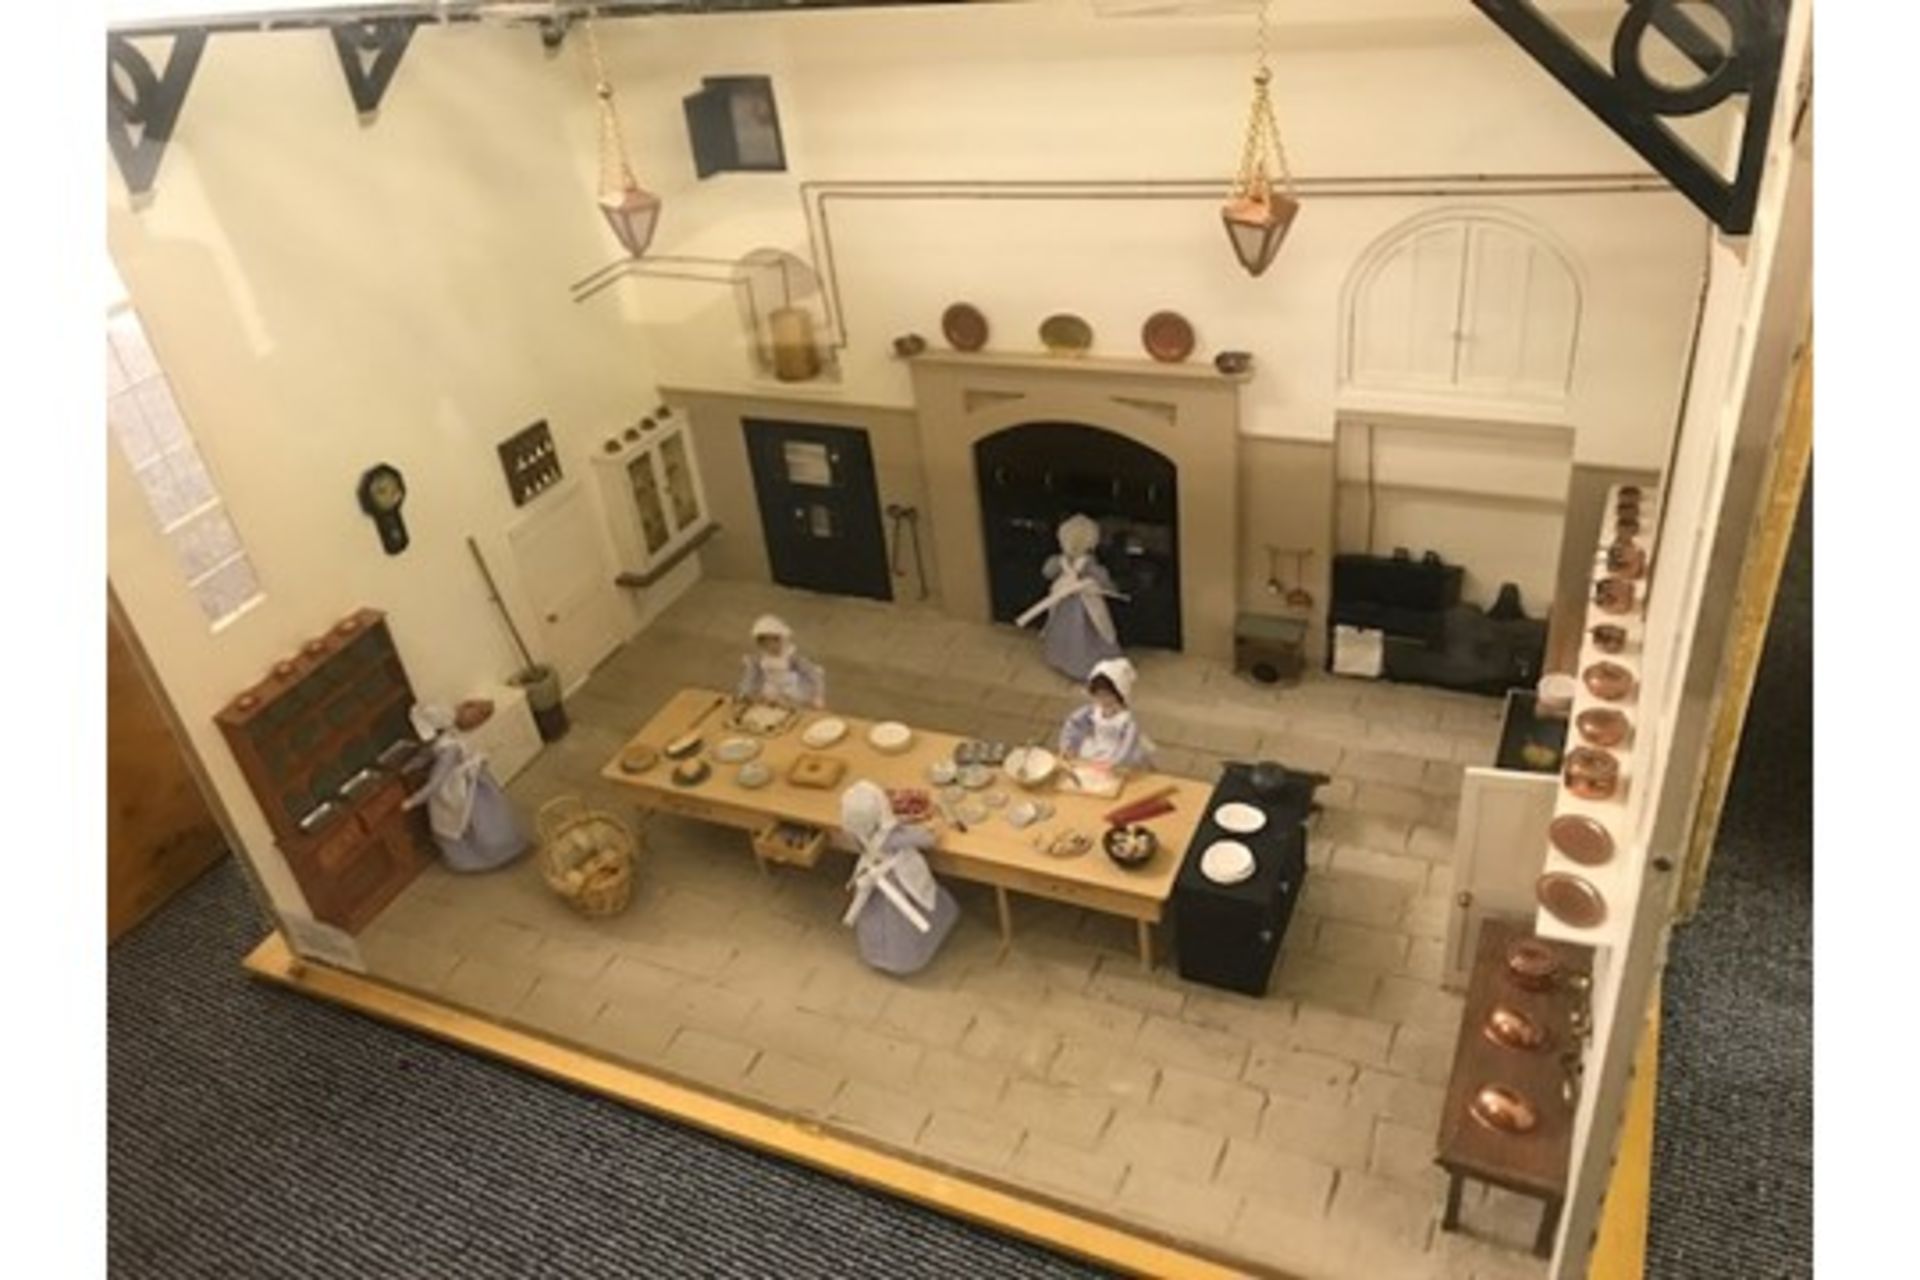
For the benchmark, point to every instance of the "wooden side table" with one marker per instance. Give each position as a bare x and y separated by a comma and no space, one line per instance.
1532,1164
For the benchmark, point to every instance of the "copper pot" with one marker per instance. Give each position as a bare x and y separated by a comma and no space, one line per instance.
1608,681
1507,1110
1626,560
1609,637
1626,524
1532,964
1613,595
1508,1027
1629,493
1592,774
1603,726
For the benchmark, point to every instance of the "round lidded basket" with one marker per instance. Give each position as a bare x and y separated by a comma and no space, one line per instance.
587,856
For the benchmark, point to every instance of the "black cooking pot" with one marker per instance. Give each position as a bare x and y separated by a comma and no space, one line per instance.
1276,784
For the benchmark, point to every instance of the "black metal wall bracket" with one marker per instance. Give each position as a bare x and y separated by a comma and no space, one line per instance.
1632,102
370,52
139,100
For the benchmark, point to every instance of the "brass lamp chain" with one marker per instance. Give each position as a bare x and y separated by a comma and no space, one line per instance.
1263,144
616,174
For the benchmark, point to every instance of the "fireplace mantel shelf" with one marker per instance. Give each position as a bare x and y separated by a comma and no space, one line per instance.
1106,366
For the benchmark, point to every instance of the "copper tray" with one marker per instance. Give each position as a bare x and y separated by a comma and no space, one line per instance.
1603,726
1504,1110
1592,774
1613,595
1608,681
1167,337
1581,839
1511,1029
1570,899
1609,637
964,326
1532,964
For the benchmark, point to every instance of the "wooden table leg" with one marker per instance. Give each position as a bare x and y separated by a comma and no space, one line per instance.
1006,916
1450,1220
1146,944
1549,1228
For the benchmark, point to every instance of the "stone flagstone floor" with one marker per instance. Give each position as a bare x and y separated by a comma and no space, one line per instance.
1292,1133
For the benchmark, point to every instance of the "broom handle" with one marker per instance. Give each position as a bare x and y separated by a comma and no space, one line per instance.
493,593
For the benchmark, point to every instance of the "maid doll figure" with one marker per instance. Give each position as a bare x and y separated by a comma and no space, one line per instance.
1079,629
472,820
900,914
1101,740
775,671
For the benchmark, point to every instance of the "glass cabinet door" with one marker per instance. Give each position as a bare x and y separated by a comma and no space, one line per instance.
680,487
646,499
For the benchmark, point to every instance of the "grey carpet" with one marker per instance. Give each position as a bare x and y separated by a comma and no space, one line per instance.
253,1132
1733,1121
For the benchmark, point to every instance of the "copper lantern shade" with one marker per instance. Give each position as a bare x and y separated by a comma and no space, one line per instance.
633,214
1256,224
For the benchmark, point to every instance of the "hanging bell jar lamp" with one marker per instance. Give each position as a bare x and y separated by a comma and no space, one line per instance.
631,211
1256,214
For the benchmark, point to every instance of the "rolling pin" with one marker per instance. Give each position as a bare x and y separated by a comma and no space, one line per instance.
1151,804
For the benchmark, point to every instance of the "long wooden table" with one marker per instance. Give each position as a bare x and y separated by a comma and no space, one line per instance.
993,852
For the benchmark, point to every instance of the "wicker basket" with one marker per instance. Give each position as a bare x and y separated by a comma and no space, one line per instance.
586,856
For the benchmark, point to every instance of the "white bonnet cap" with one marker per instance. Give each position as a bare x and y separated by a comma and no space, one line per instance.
1120,672
769,625
430,720
865,810
1078,535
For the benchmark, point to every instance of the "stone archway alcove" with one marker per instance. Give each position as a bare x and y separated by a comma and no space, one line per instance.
1186,415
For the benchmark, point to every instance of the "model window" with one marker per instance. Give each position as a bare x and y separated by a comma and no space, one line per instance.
146,424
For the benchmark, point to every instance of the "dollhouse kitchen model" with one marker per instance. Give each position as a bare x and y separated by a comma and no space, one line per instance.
1118,603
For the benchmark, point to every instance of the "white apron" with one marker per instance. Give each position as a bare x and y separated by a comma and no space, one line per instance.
1070,583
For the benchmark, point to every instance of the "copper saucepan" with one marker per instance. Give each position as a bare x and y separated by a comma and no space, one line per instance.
1613,595
1603,726
1532,964
1608,681
1592,774
1504,1109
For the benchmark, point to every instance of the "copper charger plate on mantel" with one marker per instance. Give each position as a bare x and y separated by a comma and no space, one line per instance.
964,327
1065,334
1570,900
1167,337
1581,839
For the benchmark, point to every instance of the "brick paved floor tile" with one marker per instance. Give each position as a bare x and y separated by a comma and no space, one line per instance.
1082,1174
791,1084
487,986
1207,1101
1362,946
891,1115
1185,1206
1168,1147
969,1139
1404,1153
1179,1044
1096,1068
950,1080
1314,981
560,1007
1301,1074
1333,1135
709,1058
1064,1114
1269,1175
1381,1210
1367,1041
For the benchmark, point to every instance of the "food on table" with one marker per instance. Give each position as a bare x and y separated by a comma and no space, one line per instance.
941,773
824,732
1063,844
1031,766
910,804
890,737
1130,846
638,759
736,750
974,777
691,773
685,745
753,775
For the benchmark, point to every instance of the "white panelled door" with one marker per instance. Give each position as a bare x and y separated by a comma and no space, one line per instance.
567,578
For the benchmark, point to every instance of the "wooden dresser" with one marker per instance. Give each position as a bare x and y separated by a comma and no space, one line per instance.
325,743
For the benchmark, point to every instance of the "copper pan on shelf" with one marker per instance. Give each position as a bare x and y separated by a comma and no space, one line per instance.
1582,839
1608,681
1592,774
1532,964
1571,900
1511,1029
1504,1109
1603,726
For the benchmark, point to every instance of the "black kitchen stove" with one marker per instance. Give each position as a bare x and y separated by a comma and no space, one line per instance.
1228,935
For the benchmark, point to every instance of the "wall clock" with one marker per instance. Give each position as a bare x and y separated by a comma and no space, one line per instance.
382,491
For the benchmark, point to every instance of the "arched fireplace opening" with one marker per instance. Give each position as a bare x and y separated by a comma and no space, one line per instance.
1034,475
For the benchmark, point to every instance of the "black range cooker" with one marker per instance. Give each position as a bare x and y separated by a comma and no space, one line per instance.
1228,935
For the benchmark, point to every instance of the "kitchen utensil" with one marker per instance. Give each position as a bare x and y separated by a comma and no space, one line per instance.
815,771
753,775
1065,334
941,773
1532,964
1130,847
1132,810
974,777
890,737
1298,597
1268,778
1592,774
1032,767
1227,862
964,327
1613,595
1608,681
1570,899
691,773
706,711
1609,637
824,732
638,758
1167,337
1553,695
736,750
687,744
1580,838
1504,1110
1603,726
1507,1026
1241,819
1233,362
944,806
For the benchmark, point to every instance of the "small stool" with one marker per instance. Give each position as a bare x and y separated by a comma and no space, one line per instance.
1550,1205
1269,650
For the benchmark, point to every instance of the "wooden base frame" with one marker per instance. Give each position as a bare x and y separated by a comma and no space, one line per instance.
1619,1258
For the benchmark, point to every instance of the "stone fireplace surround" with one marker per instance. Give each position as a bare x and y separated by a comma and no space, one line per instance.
1189,413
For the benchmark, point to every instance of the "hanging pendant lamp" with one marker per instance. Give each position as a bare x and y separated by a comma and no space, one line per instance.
630,210
1257,215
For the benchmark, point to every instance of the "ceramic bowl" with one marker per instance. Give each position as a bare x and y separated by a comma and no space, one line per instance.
941,773
890,737
908,345
1130,846
1031,767
1553,696
824,733
974,777
753,775
1233,362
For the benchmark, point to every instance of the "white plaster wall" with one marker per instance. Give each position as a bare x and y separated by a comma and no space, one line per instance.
325,296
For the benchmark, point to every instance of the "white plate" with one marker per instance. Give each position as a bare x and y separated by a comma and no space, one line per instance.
1241,819
890,737
824,733
1227,862
753,775
736,750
